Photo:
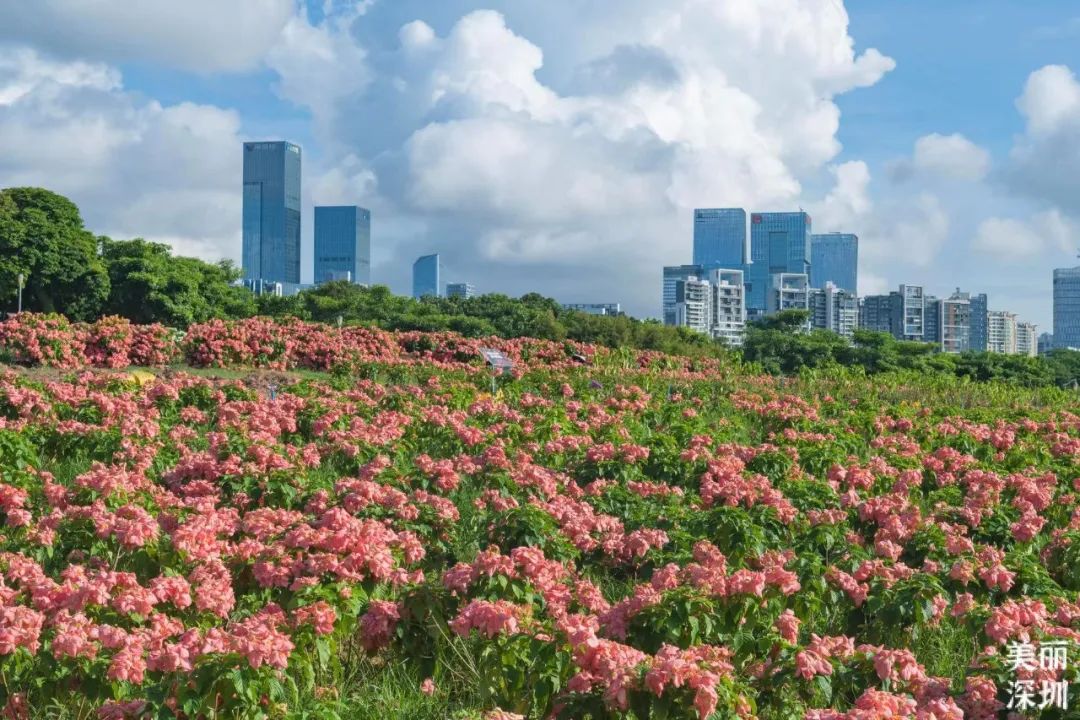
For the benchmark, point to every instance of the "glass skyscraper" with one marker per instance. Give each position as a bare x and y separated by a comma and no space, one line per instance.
779,243
1067,308
271,215
834,258
426,273
343,244
720,238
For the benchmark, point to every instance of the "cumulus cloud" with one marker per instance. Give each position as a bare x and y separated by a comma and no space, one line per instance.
1012,239
200,35
134,167
936,156
663,109
1045,161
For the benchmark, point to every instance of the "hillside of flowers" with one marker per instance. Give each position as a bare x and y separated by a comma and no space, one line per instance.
609,535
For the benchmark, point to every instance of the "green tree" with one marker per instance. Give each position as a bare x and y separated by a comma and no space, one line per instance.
149,284
42,236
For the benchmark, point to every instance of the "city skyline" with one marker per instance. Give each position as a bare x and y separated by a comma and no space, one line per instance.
674,107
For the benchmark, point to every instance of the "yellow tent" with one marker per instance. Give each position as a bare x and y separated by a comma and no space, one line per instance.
141,377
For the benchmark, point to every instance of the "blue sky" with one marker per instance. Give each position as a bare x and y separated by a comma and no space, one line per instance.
559,147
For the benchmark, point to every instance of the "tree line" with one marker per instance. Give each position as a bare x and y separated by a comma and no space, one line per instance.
68,269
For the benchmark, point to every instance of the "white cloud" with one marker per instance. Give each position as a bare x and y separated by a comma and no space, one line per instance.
200,35
1011,239
1045,160
952,156
135,168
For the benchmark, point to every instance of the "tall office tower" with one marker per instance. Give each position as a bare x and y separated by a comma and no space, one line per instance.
1046,342
779,243
693,304
832,308
789,291
954,323
672,275
426,273
342,244
909,313
719,237
875,313
980,329
1027,339
728,305
834,258
460,290
595,308
271,214
1001,334
1067,308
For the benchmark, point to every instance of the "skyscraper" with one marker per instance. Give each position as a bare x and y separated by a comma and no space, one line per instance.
909,314
876,312
693,304
1067,308
728,306
460,290
271,214
342,244
779,243
1027,339
834,309
719,237
426,272
954,323
834,258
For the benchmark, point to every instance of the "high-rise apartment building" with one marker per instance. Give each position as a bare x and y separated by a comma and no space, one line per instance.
1027,339
834,257
909,313
876,313
789,291
779,243
728,306
427,272
931,319
719,237
1067,308
460,290
672,275
1001,332
271,214
693,304
980,322
342,244
832,308
953,323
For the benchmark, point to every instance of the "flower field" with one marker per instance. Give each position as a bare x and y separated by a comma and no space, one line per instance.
613,535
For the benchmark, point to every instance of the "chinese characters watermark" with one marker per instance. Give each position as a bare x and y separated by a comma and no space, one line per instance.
1050,657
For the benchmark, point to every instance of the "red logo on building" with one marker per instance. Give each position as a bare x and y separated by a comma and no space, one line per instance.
756,219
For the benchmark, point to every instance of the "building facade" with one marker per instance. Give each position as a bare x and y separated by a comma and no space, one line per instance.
719,237
909,313
980,322
271,213
1027,339
1046,342
693,304
834,258
1067,308
672,275
789,291
876,313
835,309
953,323
595,308
342,244
1001,332
427,272
460,290
779,244
728,306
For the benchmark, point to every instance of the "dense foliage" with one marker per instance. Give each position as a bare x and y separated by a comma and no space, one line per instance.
641,536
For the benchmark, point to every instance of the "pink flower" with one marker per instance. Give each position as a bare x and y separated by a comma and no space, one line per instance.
428,687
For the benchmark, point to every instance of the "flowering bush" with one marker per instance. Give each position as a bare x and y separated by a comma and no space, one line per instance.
670,539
